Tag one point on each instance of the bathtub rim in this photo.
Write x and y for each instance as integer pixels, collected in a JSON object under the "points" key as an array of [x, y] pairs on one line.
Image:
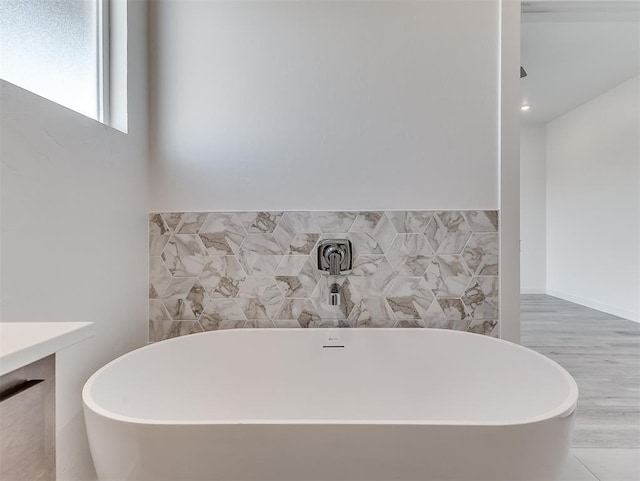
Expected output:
{"points": [[563, 410]]}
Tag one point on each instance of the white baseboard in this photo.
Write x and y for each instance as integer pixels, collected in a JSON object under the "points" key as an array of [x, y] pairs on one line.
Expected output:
{"points": [[598, 306], [533, 290]]}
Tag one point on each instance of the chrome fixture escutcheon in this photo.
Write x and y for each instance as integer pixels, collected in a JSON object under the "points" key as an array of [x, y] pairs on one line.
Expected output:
{"points": [[335, 256]]}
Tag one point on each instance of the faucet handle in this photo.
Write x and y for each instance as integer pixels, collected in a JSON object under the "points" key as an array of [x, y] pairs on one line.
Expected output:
{"points": [[335, 256], [335, 259]]}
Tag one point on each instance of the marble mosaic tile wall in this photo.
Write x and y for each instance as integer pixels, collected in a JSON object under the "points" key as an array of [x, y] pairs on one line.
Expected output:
{"points": [[213, 270]]}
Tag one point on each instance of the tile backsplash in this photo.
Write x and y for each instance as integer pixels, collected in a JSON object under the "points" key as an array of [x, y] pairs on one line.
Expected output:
{"points": [[220, 270]]}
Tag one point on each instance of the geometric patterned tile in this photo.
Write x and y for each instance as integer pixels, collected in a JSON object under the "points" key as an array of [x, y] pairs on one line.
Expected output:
{"points": [[172, 219], [159, 276], [406, 324], [179, 309], [290, 309], [222, 314], [410, 254], [157, 311], [157, 329], [482, 220], [372, 233], [184, 299], [292, 265], [366, 222], [221, 270], [185, 266], [259, 222], [183, 328], [364, 244], [157, 225], [448, 276], [303, 244], [334, 222], [287, 323], [259, 297], [309, 315], [297, 313], [436, 318], [371, 275], [481, 298], [488, 284], [448, 313], [159, 234], [372, 312], [297, 276], [329, 324], [262, 244], [260, 254], [196, 299], [448, 232], [179, 287], [190, 222], [455, 312], [409, 298], [407, 222], [297, 233], [157, 243], [481, 254], [258, 324], [222, 233], [222, 276], [184, 255], [488, 328]]}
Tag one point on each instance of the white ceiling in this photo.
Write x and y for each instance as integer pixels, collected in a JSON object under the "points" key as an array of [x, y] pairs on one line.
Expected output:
{"points": [[575, 50]]}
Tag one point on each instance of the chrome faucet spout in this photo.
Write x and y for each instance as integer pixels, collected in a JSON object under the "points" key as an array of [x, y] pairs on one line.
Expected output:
{"points": [[334, 295]]}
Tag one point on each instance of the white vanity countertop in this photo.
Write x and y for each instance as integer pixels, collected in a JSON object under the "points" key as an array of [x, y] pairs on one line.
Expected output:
{"points": [[22, 343]]}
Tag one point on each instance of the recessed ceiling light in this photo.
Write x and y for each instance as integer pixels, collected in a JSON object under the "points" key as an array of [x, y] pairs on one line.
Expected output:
{"points": [[524, 108]]}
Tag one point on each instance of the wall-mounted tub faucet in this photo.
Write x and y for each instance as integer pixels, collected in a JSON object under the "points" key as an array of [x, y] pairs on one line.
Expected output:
{"points": [[335, 258]]}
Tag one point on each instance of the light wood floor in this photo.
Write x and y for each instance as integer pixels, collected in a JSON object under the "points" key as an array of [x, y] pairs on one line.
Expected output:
{"points": [[602, 352]]}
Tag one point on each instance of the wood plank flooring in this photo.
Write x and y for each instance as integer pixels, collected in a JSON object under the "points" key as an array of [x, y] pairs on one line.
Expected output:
{"points": [[602, 353]]}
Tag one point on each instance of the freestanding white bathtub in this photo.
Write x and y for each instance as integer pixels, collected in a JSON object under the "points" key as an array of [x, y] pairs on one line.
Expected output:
{"points": [[330, 404]]}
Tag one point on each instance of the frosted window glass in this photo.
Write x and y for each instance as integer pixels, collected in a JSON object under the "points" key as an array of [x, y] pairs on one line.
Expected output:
{"points": [[50, 48]]}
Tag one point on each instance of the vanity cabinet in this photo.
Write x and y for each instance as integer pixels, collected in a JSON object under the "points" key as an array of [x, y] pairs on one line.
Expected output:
{"points": [[27, 395], [27, 422]]}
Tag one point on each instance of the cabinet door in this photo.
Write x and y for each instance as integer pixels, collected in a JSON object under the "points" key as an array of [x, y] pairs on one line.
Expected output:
{"points": [[22, 424]]}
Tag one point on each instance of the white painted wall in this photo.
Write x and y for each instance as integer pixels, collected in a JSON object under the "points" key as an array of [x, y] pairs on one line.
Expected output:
{"points": [[338, 105], [509, 187], [324, 105], [593, 203], [533, 217], [74, 233]]}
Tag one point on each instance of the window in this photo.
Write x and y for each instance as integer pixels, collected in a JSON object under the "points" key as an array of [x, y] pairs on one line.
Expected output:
{"points": [[58, 50]]}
